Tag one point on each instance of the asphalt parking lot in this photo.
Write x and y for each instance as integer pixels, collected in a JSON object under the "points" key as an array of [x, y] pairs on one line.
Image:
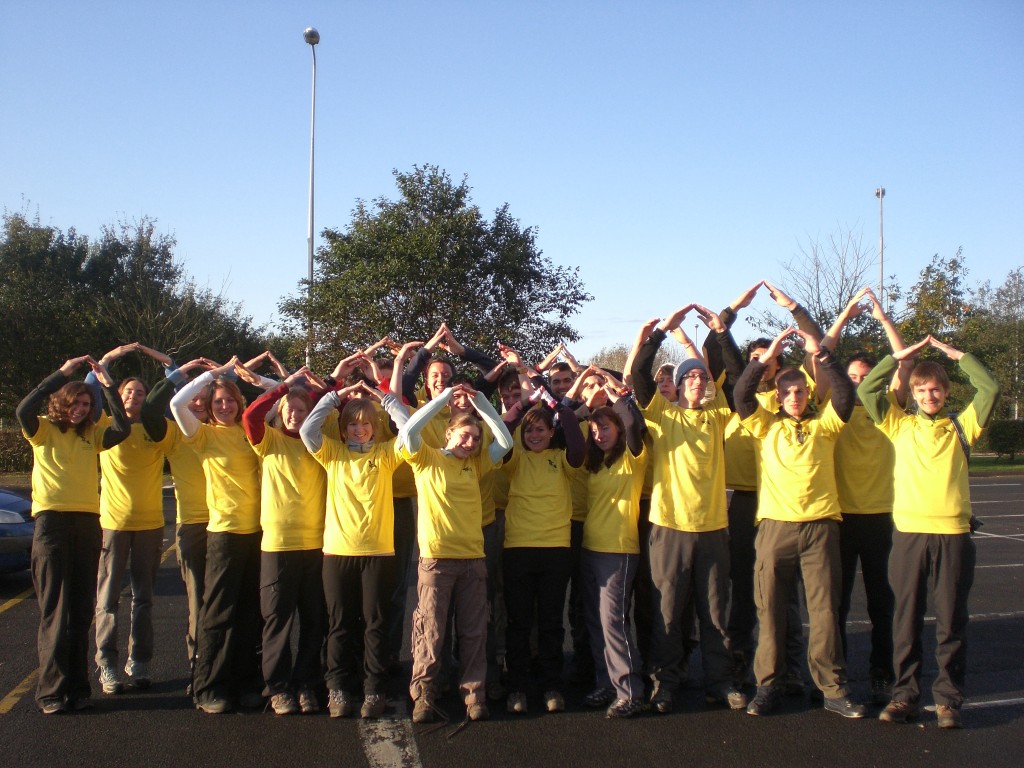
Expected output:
{"points": [[159, 726]]}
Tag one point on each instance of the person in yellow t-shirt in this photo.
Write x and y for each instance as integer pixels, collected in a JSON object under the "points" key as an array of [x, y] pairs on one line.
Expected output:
{"points": [[451, 565], [932, 547], [67, 538], [132, 519], [615, 462], [227, 669], [689, 539], [359, 544], [536, 559], [292, 502], [865, 462], [192, 514], [798, 513]]}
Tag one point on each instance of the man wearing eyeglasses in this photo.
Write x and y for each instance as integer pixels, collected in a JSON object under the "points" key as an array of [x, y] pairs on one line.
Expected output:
{"points": [[798, 514], [689, 539]]}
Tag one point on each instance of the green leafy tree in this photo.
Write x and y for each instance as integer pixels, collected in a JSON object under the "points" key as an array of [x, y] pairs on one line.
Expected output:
{"points": [[64, 296], [404, 266], [995, 333]]}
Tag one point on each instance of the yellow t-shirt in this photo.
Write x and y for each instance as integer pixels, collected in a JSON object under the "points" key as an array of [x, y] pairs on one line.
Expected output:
{"points": [[539, 500], [688, 460], [614, 495], [798, 479], [742, 448], [360, 509], [433, 434], [580, 481], [65, 475], [131, 496], [449, 518], [189, 479], [864, 466], [932, 493], [293, 494], [232, 478]]}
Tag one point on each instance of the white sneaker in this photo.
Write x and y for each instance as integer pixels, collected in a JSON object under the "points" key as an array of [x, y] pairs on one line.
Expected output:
{"points": [[110, 680]]}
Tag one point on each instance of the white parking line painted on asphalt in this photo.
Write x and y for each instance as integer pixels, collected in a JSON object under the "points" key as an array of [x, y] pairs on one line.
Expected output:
{"points": [[985, 704], [995, 485], [930, 619], [1011, 537], [1007, 565], [996, 501], [390, 742]]}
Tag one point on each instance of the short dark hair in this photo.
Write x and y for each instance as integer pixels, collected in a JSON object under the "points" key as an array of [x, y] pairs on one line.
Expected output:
{"points": [[507, 379], [788, 375], [761, 343], [560, 366], [862, 357]]}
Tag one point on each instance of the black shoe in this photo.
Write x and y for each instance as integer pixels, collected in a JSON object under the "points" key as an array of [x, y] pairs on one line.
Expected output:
{"points": [[661, 699], [599, 697], [845, 706], [626, 708], [881, 691], [764, 701]]}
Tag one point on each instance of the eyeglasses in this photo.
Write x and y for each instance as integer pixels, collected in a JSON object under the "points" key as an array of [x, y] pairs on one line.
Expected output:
{"points": [[696, 377]]}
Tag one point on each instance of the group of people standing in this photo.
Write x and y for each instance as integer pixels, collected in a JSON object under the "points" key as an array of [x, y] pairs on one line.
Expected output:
{"points": [[305, 498]]}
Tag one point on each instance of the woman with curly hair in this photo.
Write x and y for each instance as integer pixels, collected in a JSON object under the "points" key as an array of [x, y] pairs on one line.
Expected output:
{"points": [[66, 543]]}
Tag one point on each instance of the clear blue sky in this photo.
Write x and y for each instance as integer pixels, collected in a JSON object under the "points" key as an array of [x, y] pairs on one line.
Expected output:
{"points": [[675, 151]]}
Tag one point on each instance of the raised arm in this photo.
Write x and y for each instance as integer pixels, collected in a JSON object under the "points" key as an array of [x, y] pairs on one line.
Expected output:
{"points": [[843, 394], [409, 435], [502, 439], [186, 420], [27, 411], [745, 392], [648, 342]]}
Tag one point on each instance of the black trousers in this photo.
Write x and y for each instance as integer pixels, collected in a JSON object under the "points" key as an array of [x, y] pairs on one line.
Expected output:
{"points": [[290, 583], [227, 641], [535, 579], [868, 538], [943, 563], [358, 592], [65, 559]]}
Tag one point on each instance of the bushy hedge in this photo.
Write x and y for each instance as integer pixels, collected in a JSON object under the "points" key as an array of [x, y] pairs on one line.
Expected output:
{"points": [[15, 452], [1006, 438]]}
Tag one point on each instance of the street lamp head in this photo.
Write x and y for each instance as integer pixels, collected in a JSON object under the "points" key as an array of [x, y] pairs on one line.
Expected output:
{"points": [[880, 192], [311, 36]]}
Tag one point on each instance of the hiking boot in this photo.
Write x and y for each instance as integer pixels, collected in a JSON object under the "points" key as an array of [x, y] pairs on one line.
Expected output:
{"points": [[423, 706], [764, 701], [79, 705], [138, 673], [308, 702], [625, 708], [845, 706], [516, 703], [661, 699], [948, 717], [793, 685], [284, 704], [898, 711], [881, 691], [599, 697], [214, 706], [373, 706], [554, 701], [478, 711], [495, 690], [110, 679], [341, 703], [53, 706]]}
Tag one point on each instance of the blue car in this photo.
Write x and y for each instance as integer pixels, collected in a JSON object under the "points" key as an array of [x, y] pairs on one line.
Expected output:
{"points": [[16, 527]]}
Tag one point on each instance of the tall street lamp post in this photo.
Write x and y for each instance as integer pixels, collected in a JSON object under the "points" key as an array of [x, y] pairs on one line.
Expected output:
{"points": [[312, 37], [880, 194]]}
